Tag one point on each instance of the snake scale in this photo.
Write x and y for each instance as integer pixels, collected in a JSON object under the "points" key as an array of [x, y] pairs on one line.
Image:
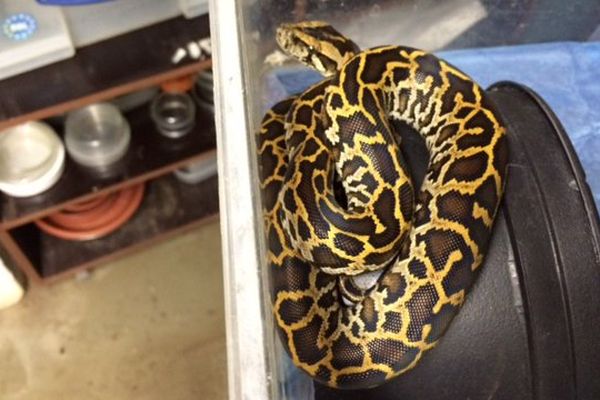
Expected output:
{"points": [[427, 244]]}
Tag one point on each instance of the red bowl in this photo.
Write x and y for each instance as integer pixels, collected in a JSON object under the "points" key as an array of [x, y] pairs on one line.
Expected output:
{"points": [[125, 205], [85, 205], [99, 215]]}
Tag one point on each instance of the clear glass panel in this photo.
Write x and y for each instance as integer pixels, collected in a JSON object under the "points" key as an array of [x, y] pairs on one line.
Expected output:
{"points": [[550, 45], [434, 24]]}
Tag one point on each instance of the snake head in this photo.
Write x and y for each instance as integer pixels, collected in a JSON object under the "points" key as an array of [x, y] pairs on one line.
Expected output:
{"points": [[316, 44]]}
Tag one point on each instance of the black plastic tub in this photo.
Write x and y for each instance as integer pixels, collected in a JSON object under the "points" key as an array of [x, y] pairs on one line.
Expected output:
{"points": [[530, 328]]}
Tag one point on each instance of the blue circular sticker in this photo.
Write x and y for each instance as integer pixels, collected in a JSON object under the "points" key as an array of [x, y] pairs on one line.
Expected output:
{"points": [[19, 26]]}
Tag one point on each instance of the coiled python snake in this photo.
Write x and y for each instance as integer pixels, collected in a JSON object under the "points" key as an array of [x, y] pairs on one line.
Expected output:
{"points": [[339, 130]]}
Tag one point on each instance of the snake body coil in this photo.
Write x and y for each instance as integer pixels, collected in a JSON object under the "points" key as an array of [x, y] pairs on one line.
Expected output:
{"points": [[339, 129]]}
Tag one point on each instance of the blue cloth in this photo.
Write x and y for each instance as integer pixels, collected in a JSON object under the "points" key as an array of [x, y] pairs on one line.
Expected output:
{"points": [[565, 74]]}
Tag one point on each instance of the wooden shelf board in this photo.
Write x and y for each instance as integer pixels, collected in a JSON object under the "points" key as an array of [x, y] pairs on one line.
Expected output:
{"points": [[150, 155], [169, 207]]}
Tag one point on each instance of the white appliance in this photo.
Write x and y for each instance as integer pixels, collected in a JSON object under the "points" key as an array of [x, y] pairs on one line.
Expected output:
{"points": [[33, 35], [11, 290]]}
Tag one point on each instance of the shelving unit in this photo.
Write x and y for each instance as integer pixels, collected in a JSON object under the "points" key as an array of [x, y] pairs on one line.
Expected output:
{"points": [[101, 72], [169, 207]]}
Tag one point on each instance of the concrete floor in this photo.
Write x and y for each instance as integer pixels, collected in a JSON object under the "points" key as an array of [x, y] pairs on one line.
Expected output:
{"points": [[149, 326]]}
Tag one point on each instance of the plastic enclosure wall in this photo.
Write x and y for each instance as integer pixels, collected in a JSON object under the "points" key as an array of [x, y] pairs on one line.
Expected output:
{"points": [[246, 345], [242, 35]]}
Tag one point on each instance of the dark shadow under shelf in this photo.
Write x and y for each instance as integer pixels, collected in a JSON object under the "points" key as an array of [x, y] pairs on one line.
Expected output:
{"points": [[150, 155], [168, 206]]}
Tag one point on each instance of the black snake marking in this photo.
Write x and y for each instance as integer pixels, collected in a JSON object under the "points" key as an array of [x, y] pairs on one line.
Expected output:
{"points": [[404, 314]]}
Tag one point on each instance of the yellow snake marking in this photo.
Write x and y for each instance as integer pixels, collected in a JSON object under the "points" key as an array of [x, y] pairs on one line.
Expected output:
{"points": [[340, 129]]}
